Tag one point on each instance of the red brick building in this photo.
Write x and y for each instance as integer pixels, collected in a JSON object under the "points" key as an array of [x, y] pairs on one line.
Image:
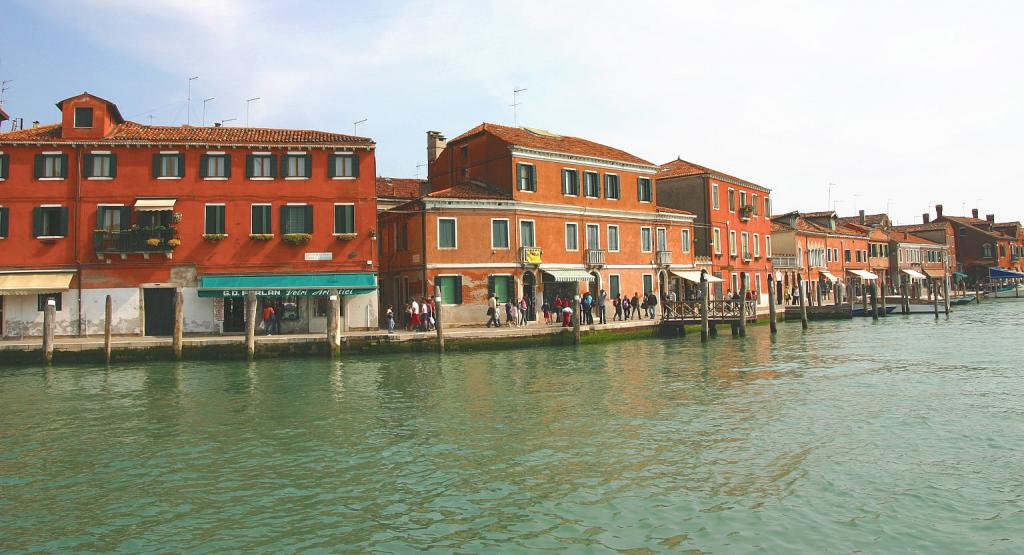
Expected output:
{"points": [[979, 244], [525, 212], [733, 229], [95, 205]]}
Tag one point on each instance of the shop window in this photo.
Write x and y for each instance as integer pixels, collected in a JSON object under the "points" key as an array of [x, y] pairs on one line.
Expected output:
{"points": [[41, 301]]}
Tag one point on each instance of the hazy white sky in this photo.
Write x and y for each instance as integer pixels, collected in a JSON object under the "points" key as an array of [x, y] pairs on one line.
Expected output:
{"points": [[900, 104]]}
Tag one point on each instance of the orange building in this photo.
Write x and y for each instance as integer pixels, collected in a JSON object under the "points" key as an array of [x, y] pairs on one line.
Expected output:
{"points": [[95, 205], [527, 213], [733, 223], [823, 251]]}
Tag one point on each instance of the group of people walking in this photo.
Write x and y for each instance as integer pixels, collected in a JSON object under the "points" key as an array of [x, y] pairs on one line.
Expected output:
{"points": [[516, 313], [418, 316], [635, 307]]}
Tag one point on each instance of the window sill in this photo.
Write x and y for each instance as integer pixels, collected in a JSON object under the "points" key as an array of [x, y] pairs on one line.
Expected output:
{"points": [[99, 178], [526, 191], [261, 179], [344, 178], [296, 178], [215, 179], [168, 177], [52, 178], [49, 237]]}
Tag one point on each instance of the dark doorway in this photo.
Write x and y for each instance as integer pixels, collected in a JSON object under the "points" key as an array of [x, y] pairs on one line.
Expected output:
{"points": [[159, 307], [234, 314], [1, 315], [530, 291], [564, 289]]}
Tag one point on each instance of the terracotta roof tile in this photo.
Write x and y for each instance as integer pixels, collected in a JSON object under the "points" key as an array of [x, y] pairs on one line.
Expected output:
{"points": [[564, 144], [131, 132], [674, 211], [396, 187], [869, 219], [471, 191], [682, 168], [904, 237], [930, 226]]}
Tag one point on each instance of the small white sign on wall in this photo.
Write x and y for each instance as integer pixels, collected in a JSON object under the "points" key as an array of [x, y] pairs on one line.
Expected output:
{"points": [[319, 256]]}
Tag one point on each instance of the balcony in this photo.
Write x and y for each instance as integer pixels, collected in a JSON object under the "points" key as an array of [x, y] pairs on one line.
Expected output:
{"points": [[134, 241], [530, 256], [663, 258], [785, 261], [595, 257], [747, 257]]}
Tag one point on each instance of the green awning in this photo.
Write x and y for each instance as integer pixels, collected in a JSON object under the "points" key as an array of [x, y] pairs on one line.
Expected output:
{"points": [[287, 285], [960, 275]]}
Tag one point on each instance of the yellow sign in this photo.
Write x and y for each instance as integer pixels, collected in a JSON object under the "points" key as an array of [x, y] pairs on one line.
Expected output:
{"points": [[532, 256]]}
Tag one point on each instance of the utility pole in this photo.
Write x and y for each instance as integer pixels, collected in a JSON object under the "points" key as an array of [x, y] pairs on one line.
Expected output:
{"points": [[188, 101], [205, 100], [223, 121], [515, 106], [830, 185], [355, 125], [418, 166], [3, 89], [247, 103]]}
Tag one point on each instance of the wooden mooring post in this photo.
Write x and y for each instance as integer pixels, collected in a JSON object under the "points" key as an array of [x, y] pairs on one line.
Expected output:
{"points": [[772, 322], [743, 306], [333, 325], [864, 296], [801, 286], [904, 295], [874, 301], [250, 325], [705, 331], [576, 320], [179, 324], [945, 292], [437, 319], [935, 297], [108, 311], [49, 322]]}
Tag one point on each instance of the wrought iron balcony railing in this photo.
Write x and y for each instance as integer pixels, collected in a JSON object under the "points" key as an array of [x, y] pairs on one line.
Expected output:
{"points": [[595, 257]]}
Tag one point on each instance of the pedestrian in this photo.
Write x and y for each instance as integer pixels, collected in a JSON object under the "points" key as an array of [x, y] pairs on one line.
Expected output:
{"points": [[268, 317], [626, 309], [275, 318], [617, 304], [586, 316], [566, 315], [602, 298], [652, 303], [546, 309], [634, 305], [524, 307], [414, 316], [492, 311], [389, 320], [424, 315], [510, 318]]}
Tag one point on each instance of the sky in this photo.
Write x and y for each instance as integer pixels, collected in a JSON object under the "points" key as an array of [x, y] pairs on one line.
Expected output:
{"points": [[899, 105]]}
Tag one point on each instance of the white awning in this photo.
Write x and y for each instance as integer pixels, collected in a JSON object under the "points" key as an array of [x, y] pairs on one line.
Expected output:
{"points": [[914, 274], [35, 283], [828, 275], [154, 204], [570, 275], [864, 274], [934, 274], [694, 276]]}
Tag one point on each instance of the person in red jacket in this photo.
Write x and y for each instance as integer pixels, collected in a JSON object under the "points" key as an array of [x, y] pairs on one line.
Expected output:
{"points": [[268, 317]]}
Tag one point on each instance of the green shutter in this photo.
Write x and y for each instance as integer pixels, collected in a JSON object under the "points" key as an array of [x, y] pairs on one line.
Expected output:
{"points": [[4, 165], [268, 220], [458, 289], [62, 222], [309, 218], [309, 165], [565, 182], [39, 161], [5, 215], [37, 222], [181, 164], [203, 169], [332, 160], [156, 164], [355, 164], [284, 165], [284, 220], [490, 285], [273, 165], [126, 217], [250, 160], [63, 165], [87, 165], [113, 165], [227, 165]]}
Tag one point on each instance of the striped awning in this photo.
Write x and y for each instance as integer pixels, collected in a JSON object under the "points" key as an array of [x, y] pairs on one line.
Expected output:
{"points": [[693, 276], [934, 274], [570, 275], [828, 275], [28, 283], [864, 274], [914, 274], [154, 204]]}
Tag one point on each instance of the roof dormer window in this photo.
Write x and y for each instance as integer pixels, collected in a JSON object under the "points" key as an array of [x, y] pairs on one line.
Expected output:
{"points": [[83, 117]]}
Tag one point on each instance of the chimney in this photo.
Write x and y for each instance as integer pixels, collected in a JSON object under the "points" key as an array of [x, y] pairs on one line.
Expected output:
{"points": [[974, 213], [35, 124], [217, 124], [991, 218], [926, 218], [435, 144], [863, 218], [938, 211]]}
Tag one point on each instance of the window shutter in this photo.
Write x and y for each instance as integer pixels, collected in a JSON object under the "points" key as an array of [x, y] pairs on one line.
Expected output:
{"points": [[490, 285], [63, 165], [339, 217], [332, 161], [62, 222], [181, 164], [273, 165], [227, 165], [355, 164], [639, 188], [5, 214], [268, 220], [284, 165], [565, 182], [37, 222], [156, 165], [309, 166], [113, 165], [126, 217], [284, 220], [87, 165], [250, 160], [5, 165], [38, 166], [458, 289], [204, 159], [309, 218]]}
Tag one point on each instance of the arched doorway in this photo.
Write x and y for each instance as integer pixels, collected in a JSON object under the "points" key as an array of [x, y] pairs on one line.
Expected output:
{"points": [[596, 285], [530, 292], [663, 284]]}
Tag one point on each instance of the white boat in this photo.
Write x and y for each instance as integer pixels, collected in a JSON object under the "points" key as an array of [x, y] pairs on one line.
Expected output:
{"points": [[1008, 292]]}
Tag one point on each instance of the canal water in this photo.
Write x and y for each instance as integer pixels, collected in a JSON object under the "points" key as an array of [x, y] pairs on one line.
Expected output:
{"points": [[905, 435]]}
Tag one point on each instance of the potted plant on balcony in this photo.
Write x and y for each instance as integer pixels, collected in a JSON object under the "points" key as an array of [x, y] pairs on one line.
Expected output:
{"points": [[213, 237], [345, 236], [261, 236], [746, 212], [296, 238], [174, 243]]}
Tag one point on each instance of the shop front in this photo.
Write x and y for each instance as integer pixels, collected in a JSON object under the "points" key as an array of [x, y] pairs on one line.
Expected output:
{"points": [[301, 303], [23, 297]]}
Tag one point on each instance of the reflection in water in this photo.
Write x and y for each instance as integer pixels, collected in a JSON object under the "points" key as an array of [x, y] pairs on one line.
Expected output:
{"points": [[855, 436]]}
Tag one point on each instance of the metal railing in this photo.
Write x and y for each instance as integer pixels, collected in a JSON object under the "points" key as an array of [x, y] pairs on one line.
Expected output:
{"points": [[663, 258], [530, 255], [784, 261], [595, 257], [122, 241], [717, 310]]}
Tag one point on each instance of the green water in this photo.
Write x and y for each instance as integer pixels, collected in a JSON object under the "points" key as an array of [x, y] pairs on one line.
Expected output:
{"points": [[901, 436]]}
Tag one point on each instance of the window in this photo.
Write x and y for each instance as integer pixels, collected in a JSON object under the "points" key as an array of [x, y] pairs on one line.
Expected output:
{"points": [[591, 184], [757, 246], [662, 238], [753, 202], [648, 284], [768, 245], [214, 219], [767, 207], [50, 221], [51, 165], [572, 237], [745, 244], [1002, 250], [716, 240], [714, 197], [5, 165], [261, 224], [446, 233], [402, 237], [42, 300], [846, 255], [343, 165], [732, 243], [99, 165], [168, 165], [260, 166], [215, 165], [344, 218], [451, 289], [113, 218], [644, 190], [835, 254], [526, 177], [296, 165], [464, 152], [732, 200], [527, 234], [735, 283], [296, 218], [5, 215], [613, 285], [499, 234], [963, 232], [83, 118], [613, 238], [570, 183], [611, 186], [502, 287], [593, 237], [743, 199], [685, 240], [645, 239]]}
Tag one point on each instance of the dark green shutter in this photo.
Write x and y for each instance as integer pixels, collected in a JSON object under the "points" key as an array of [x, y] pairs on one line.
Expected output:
{"points": [[5, 215], [63, 165], [87, 165], [339, 217], [332, 161], [268, 220], [355, 164], [490, 285], [5, 165], [284, 220], [113, 165], [458, 289], [227, 165], [309, 218], [62, 222], [37, 222], [126, 217], [156, 164], [181, 164], [203, 169], [309, 165], [284, 165], [39, 166], [273, 165], [250, 160]]}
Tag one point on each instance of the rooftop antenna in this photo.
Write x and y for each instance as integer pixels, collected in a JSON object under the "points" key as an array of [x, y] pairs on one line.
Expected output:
{"points": [[223, 121], [205, 100], [355, 124], [151, 120], [3, 88], [188, 101], [249, 101], [418, 166], [830, 185], [515, 106]]}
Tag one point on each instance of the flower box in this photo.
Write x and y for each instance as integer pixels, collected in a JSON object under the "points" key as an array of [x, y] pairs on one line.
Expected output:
{"points": [[296, 238], [261, 236], [174, 243], [214, 237], [153, 241], [345, 236]]}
